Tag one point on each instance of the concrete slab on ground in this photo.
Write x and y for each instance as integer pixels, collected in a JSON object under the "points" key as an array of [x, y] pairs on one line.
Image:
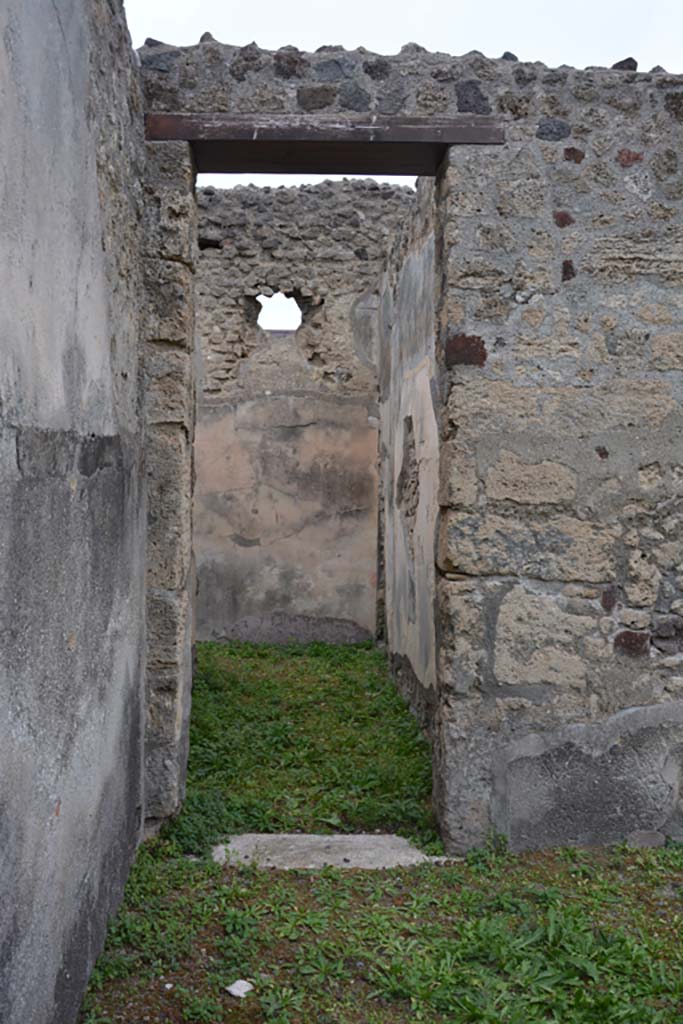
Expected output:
{"points": [[306, 851]]}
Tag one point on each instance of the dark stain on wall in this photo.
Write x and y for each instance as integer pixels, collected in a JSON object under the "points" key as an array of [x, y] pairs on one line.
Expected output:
{"points": [[465, 350]]}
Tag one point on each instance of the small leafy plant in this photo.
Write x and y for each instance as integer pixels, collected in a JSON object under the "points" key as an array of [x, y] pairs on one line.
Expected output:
{"points": [[315, 738]]}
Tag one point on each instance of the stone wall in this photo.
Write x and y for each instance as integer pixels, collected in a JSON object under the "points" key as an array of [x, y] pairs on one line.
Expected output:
{"points": [[558, 377], [286, 500], [72, 496], [170, 244], [560, 590], [214, 76]]}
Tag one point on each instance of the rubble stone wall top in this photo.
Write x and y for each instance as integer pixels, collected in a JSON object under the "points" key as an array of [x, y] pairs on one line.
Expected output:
{"points": [[325, 244], [552, 104]]}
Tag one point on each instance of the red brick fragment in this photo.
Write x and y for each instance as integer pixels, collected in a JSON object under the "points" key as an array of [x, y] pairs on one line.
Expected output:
{"points": [[628, 157], [633, 643], [563, 218], [568, 271], [608, 598], [574, 155], [465, 350]]}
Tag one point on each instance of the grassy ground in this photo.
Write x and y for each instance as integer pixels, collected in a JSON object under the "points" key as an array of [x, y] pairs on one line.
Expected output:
{"points": [[315, 739], [306, 739]]}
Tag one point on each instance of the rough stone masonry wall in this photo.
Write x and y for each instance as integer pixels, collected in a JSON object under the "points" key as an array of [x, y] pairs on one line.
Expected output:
{"points": [[72, 495], [559, 716], [169, 386], [286, 450], [561, 549]]}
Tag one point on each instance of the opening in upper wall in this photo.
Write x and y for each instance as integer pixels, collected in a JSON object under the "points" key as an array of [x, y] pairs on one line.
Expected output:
{"points": [[279, 312]]}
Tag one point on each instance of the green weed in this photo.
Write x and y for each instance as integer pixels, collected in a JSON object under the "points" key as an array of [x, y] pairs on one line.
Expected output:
{"points": [[315, 738], [303, 738]]}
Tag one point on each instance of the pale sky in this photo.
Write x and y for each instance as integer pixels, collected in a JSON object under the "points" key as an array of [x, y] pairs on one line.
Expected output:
{"points": [[575, 32]]}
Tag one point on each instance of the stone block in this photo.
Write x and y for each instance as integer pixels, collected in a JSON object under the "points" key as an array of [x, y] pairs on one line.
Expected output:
{"points": [[645, 840], [170, 637], [169, 506], [624, 258], [643, 579], [474, 273], [554, 548], [162, 719], [166, 688], [521, 198], [667, 351], [464, 743], [513, 479], [169, 165], [169, 307], [168, 620], [316, 97], [458, 483], [164, 784], [537, 642], [463, 653], [500, 407], [170, 225], [169, 386]]}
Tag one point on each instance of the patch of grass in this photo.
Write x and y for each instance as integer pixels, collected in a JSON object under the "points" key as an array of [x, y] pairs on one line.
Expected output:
{"points": [[567, 937], [509, 940], [300, 738]]}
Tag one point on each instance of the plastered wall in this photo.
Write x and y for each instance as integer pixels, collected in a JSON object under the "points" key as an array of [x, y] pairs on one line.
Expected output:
{"points": [[72, 495], [409, 450], [286, 449]]}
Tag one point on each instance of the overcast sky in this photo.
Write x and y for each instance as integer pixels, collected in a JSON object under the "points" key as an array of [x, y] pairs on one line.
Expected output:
{"points": [[576, 32]]}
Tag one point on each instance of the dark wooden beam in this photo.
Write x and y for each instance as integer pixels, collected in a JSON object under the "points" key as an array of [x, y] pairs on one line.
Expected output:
{"points": [[295, 144], [318, 157]]}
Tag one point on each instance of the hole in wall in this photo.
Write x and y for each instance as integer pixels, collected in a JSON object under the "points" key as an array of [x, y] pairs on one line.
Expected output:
{"points": [[278, 313], [208, 243]]}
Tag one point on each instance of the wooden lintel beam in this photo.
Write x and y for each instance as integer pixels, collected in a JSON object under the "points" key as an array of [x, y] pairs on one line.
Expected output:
{"points": [[466, 129], [279, 143]]}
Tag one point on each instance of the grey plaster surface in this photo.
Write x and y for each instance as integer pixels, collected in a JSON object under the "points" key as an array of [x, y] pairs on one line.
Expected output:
{"points": [[71, 496], [409, 447], [289, 851], [590, 784], [285, 509]]}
